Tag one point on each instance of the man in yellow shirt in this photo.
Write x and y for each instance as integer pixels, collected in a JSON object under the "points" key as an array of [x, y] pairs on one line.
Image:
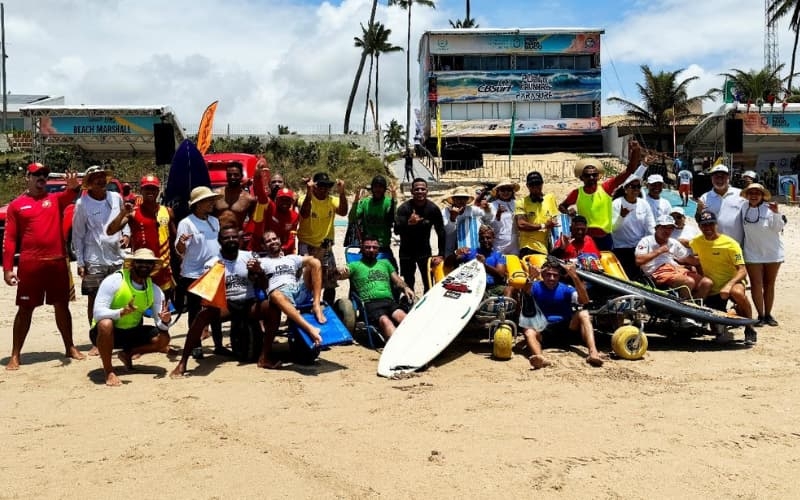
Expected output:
{"points": [[318, 209], [721, 259], [534, 216]]}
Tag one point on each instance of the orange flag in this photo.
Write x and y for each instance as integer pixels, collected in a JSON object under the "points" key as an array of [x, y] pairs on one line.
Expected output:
{"points": [[211, 287], [204, 131]]}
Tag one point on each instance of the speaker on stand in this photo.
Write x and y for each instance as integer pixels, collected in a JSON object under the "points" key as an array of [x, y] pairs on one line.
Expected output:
{"points": [[164, 138], [734, 135]]}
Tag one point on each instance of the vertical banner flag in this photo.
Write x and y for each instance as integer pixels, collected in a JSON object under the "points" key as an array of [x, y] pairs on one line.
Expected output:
{"points": [[438, 131], [204, 131], [513, 131]]}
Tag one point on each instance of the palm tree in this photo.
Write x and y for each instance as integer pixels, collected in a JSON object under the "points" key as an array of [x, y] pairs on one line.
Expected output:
{"points": [[778, 9], [754, 85], [368, 45], [382, 45], [407, 4], [664, 99], [468, 22], [393, 137], [357, 79]]}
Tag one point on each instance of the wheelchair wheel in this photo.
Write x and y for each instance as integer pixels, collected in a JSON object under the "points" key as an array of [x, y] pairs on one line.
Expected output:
{"points": [[300, 352], [628, 342], [502, 342], [344, 309], [247, 339]]}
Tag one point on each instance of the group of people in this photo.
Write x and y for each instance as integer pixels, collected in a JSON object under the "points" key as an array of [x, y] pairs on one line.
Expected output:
{"points": [[276, 248]]}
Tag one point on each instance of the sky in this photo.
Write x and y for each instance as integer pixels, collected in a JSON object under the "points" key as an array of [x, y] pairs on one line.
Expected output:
{"points": [[292, 62]]}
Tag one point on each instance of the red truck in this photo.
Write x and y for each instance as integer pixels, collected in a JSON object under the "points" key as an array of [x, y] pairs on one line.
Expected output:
{"points": [[218, 163]]}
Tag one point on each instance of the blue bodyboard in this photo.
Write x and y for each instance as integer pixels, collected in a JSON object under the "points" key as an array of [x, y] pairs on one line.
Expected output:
{"points": [[333, 332], [188, 171]]}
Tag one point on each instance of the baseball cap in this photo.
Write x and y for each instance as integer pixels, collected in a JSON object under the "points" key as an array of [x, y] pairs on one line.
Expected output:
{"points": [[35, 167], [284, 193], [665, 220], [719, 169], [750, 173], [707, 218], [150, 180], [677, 210], [655, 179], [534, 178], [322, 179]]}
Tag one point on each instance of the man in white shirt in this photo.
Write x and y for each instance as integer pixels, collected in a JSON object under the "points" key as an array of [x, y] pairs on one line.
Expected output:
{"points": [[685, 185], [685, 229], [658, 205], [725, 203]]}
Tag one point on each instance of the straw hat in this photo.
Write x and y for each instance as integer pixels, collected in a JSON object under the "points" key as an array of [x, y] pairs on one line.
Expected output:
{"points": [[94, 170], [142, 254], [588, 162], [756, 186], [459, 192], [201, 193], [504, 182]]}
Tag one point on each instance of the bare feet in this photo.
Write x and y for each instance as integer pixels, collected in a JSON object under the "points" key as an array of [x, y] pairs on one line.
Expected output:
{"points": [[538, 361], [74, 353], [178, 372], [112, 380], [126, 359], [315, 336], [321, 319], [93, 351], [13, 363], [595, 360], [269, 365]]}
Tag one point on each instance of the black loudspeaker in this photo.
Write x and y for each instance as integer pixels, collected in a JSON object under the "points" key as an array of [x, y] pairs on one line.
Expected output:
{"points": [[734, 135], [164, 137]]}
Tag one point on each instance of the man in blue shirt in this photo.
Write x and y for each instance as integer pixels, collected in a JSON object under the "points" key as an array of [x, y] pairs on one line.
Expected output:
{"points": [[556, 301], [493, 261]]}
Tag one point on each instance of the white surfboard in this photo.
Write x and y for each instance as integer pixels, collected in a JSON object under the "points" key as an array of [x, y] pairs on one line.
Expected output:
{"points": [[435, 321]]}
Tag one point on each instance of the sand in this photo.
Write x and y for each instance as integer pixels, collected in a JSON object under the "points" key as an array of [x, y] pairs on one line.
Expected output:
{"points": [[690, 420]]}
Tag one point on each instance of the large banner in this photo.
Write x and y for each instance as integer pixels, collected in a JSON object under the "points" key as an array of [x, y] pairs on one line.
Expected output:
{"points": [[558, 43], [98, 125], [772, 123], [524, 86], [787, 186], [526, 127]]}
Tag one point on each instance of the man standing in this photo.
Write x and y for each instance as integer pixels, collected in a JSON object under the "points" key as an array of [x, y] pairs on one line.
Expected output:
{"points": [[409, 165], [685, 185], [413, 223], [593, 201], [98, 254], [152, 226], [535, 216], [33, 228], [318, 209], [725, 203], [658, 205], [375, 214], [276, 183], [722, 260], [504, 209], [235, 204], [122, 299]]}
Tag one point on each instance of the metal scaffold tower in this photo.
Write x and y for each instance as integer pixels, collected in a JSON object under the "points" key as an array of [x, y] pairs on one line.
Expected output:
{"points": [[770, 40]]}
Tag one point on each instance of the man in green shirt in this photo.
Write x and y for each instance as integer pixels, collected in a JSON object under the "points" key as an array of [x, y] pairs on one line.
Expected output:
{"points": [[375, 215], [372, 278]]}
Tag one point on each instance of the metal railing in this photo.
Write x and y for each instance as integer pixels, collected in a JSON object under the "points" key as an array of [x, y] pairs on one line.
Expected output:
{"points": [[516, 169]]}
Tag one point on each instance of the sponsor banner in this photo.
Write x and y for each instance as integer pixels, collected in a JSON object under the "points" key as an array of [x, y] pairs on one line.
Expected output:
{"points": [[770, 123], [98, 125], [787, 186], [559, 43], [521, 86], [526, 127]]}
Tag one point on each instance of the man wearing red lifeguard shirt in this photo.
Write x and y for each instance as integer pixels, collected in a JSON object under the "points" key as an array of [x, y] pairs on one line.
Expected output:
{"points": [[33, 228]]}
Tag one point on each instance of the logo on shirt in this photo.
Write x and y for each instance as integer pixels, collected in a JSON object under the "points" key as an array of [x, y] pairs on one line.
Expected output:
{"points": [[46, 203]]}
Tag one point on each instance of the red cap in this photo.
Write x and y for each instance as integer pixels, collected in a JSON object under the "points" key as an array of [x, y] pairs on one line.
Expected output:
{"points": [[36, 167], [285, 193], [150, 180]]}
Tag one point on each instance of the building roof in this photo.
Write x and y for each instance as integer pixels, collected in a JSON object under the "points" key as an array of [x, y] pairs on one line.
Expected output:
{"points": [[16, 101], [512, 31]]}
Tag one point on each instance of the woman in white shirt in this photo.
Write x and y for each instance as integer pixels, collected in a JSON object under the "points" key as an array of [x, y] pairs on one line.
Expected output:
{"points": [[632, 220], [762, 248], [503, 205]]}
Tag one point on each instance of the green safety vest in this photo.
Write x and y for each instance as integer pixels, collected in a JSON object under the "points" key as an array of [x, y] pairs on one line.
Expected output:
{"points": [[142, 299]]}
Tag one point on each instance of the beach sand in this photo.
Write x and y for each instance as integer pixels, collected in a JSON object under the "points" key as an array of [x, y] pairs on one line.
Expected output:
{"points": [[690, 420]]}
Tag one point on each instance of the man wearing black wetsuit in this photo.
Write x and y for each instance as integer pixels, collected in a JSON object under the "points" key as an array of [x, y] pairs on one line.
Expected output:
{"points": [[413, 222]]}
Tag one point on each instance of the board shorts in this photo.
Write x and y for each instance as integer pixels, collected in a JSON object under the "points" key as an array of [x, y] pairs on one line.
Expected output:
{"points": [[683, 189], [129, 338], [380, 307], [496, 290], [94, 274], [560, 335], [330, 276], [297, 293], [716, 302], [42, 281], [668, 273]]}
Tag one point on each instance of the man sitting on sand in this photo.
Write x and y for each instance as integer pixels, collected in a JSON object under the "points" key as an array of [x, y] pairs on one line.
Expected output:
{"points": [[239, 293], [557, 299], [122, 299], [285, 292]]}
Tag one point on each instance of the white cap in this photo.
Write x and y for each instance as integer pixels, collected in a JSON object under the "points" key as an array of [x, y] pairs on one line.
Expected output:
{"points": [[719, 168], [631, 179], [654, 179], [677, 210], [750, 173], [665, 220]]}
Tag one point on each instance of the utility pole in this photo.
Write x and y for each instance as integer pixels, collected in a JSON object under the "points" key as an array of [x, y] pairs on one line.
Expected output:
{"points": [[3, 56]]}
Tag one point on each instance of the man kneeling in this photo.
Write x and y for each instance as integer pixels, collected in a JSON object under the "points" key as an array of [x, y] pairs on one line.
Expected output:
{"points": [[557, 299], [122, 299], [372, 280]]}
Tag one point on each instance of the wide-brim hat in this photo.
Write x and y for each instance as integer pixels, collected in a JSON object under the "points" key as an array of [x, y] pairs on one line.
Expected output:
{"points": [[505, 182], [460, 192], [142, 254], [581, 164], [201, 193], [94, 170], [754, 185]]}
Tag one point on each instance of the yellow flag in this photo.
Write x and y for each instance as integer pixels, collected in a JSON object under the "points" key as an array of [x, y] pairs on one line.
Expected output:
{"points": [[204, 131], [438, 131], [719, 161]]}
